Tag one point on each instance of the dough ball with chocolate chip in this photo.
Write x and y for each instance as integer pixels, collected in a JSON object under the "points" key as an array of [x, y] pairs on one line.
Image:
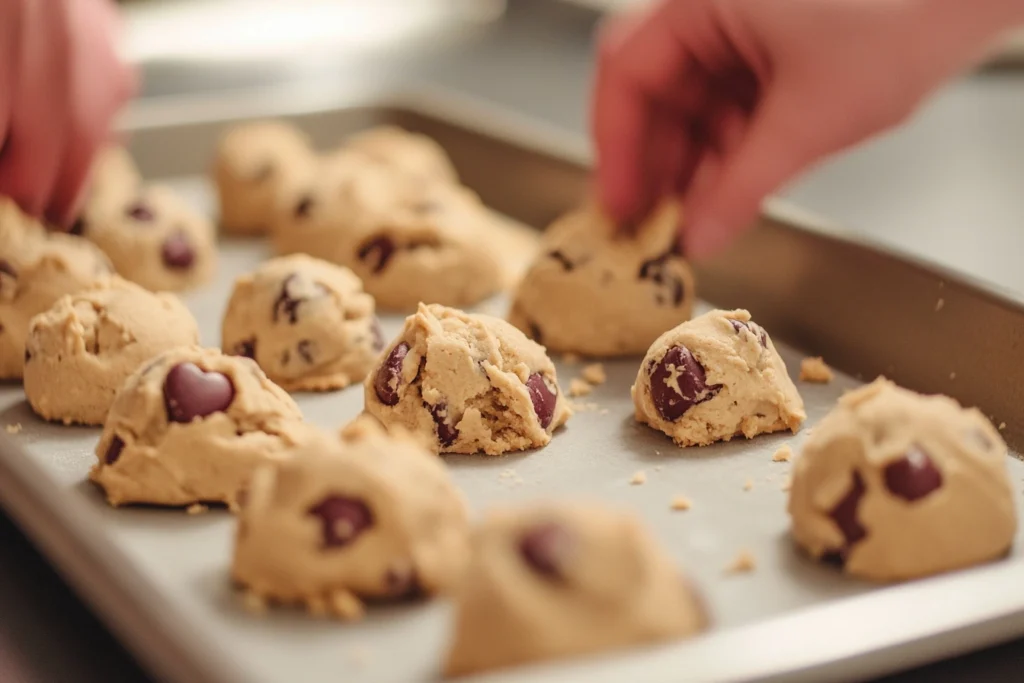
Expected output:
{"points": [[190, 426], [713, 378], [563, 580], [407, 240], [467, 384], [367, 516], [253, 162], [152, 237], [83, 348], [599, 291], [412, 153], [894, 485], [36, 269], [307, 322]]}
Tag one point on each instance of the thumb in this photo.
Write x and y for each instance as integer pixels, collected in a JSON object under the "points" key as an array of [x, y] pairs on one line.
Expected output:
{"points": [[775, 148]]}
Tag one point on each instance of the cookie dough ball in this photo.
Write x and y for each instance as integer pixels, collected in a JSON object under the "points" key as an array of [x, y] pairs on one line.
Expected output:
{"points": [[190, 426], [413, 153], [407, 240], [894, 485], [307, 322], [713, 378], [153, 238], [371, 517], [252, 163], [38, 270], [564, 580], [467, 383], [596, 291], [114, 172], [80, 352]]}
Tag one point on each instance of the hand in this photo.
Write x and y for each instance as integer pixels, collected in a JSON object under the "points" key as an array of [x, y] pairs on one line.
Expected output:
{"points": [[723, 101], [61, 83]]}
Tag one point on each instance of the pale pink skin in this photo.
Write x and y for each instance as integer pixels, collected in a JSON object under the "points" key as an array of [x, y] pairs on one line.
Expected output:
{"points": [[721, 102], [61, 84]]}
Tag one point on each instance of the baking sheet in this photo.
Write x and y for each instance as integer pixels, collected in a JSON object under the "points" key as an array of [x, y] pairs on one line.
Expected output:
{"points": [[788, 619]]}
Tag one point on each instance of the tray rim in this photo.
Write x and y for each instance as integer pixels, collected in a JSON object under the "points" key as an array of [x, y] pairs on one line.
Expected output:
{"points": [[884, 630]]}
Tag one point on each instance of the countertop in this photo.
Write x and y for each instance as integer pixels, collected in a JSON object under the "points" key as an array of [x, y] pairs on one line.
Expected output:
{"points": [[947, 187]]}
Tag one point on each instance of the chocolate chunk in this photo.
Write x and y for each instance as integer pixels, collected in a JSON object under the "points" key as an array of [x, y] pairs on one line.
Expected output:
{"points": [[191, 392], [114, 450], [669, 286], [295, 290], [560, 256], [342, 519], [7, 269], [177, 251], [305, 349], [678, 383], [913, 476], [546, 548], [139, 212], [844, 514], [304, 207], [389, 376], [378, 335], [376, 252], [28, 354], [402, 583], [543, 397], [78, 227], [535, 332], [246, 347], [751, 327], [446, 433]]}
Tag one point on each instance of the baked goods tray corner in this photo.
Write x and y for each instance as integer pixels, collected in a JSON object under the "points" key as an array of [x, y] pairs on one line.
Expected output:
{"points": [[159, 577]]}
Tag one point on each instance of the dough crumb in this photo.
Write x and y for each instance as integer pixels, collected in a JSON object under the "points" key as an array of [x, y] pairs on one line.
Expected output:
{"points": [[657, 468], [639, 477], [814, 369], [254, 604], [742, 564], [584, 406], [603, 411], [196, 509], [748, 484], [594, 373], [508, 474], [681, 503], [345, 606], [1002, 426], [939, 304], [13, 428], [578, 387], [571, 359], [783, 454], [952, 375]]}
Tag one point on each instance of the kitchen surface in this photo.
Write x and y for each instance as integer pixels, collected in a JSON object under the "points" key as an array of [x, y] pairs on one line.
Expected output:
{"points": [[945, 188]]}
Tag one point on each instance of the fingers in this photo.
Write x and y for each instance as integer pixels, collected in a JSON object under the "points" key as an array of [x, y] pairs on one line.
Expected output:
{"points": [[10, 21]]}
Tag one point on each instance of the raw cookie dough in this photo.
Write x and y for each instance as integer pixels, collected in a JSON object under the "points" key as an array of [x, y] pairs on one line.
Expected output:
{"points": [[113, 171], [468, 383], [412, 153], [713, 378], [307, 322], [597, 291], [895, 485], [409, 241], [152, 237], [564, 580], [252, 163], [370, 516], [190, 426], [80, 351], [36, 269]]}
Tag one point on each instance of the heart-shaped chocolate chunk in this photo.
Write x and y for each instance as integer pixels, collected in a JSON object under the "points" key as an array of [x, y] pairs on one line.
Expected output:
{"points": [[191, 392]]}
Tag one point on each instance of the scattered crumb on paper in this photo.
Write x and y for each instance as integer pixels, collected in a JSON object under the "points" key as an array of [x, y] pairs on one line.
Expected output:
{"points": [[657, 468], [594, 373], [584, 406], [681, 503], [748, 484], [13, 428], [570, 359], [743, 563], [511, 476], [578, 387], [952, 375], [939, 304], [814, 369], [253, 604], [603, 411], [1002, 426], [196, 509], [783, 454], [639, 477]]}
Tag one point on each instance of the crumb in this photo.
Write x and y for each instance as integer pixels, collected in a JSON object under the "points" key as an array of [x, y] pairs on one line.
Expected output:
{"points": [[952, 375], [345, 606], [1002, 426], [196, 509], [571, 359], [578, 387], [639, 477], [748, 484], [657, 468], [814, 369], [254, 604], [594, 373], [657, 452], [742, 564], [13, 428], [783, 454], [508, 474], [584, 406], [681, 503], [603, 411], [939, 304], [788, 484]]}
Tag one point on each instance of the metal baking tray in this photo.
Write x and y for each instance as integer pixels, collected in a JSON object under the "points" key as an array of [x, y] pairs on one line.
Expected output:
{"points": [[159, 577]]}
